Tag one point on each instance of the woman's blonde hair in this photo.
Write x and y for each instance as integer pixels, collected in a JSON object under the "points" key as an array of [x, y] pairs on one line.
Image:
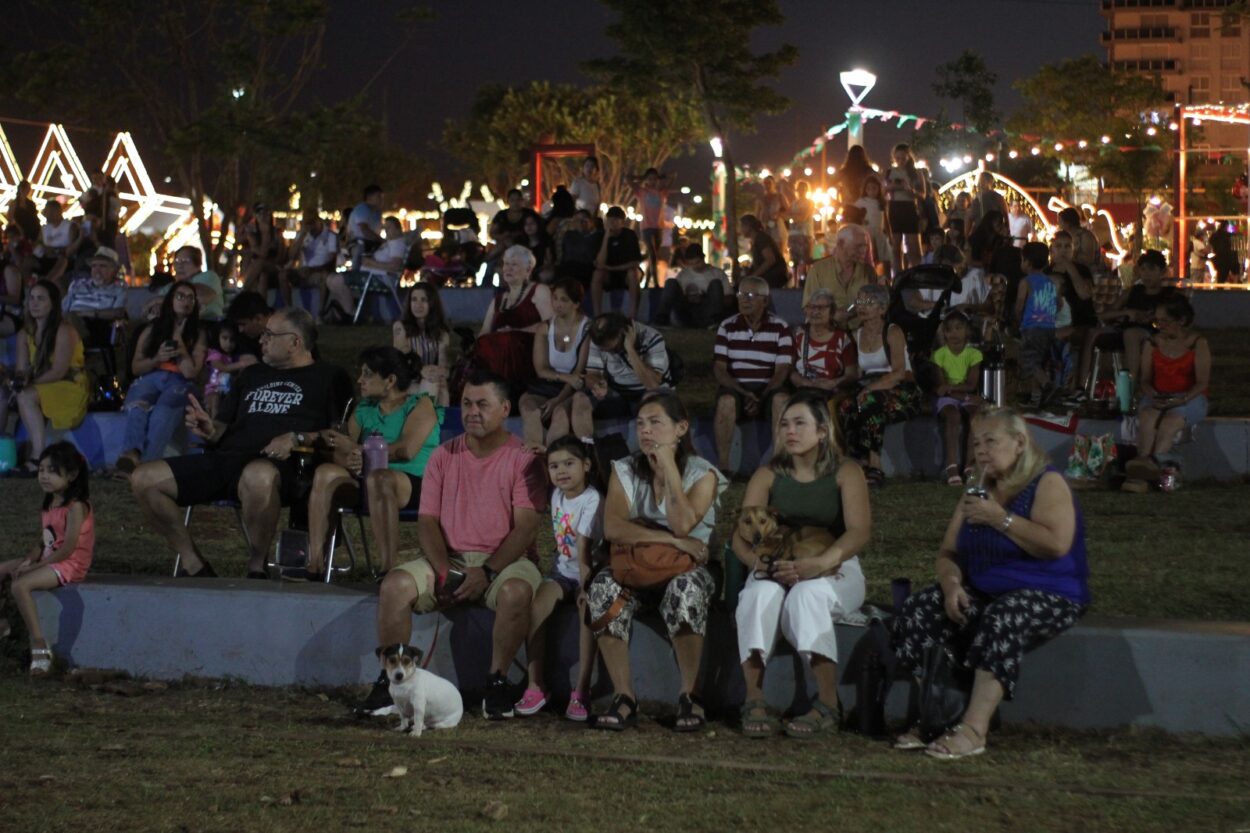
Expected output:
{"points": [[828, 447], [1032, 460]]}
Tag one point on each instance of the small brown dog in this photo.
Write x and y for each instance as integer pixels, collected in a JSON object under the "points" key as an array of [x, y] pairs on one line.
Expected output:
{"points": [[773, 541]]}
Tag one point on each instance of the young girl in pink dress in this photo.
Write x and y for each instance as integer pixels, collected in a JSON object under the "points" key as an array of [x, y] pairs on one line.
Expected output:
{"points": [[67, 548]]}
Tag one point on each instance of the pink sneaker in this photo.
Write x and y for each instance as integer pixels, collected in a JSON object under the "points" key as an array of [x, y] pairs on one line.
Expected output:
{"points": [[531, 702], [577, 708]]}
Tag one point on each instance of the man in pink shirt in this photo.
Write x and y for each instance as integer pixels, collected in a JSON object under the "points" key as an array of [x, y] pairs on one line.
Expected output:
{"points": [[481, 500]]}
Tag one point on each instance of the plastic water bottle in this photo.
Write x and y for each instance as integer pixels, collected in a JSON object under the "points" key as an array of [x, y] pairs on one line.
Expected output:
{"points": [[1124, 391], [375, 451]]}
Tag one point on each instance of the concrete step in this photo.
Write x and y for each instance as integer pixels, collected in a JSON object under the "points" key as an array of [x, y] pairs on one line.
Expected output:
{"points": [[1178, 676]]}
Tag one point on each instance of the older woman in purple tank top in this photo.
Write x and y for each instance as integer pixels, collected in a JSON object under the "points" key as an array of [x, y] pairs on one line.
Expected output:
{"points": [[1011, 572]]}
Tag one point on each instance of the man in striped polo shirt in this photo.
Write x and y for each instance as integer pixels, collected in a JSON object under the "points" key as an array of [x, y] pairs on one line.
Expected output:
{"points": [[752, 359]]}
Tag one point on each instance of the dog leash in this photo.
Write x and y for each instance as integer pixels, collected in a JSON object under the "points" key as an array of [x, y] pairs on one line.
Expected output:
{"points": [[429, 655]]}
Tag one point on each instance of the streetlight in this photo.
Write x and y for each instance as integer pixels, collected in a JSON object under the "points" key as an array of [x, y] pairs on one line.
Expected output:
{"points": [[857, 83]]}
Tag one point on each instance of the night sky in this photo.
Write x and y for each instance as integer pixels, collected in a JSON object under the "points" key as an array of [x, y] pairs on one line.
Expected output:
{"points": [[900, 40], [470, 43]]}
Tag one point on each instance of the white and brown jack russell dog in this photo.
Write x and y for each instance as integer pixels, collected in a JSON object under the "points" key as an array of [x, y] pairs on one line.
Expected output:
{"points": [[423, 700]]}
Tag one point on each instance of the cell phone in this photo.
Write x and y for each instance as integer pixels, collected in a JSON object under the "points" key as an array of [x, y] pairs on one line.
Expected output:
{"points": [[170, 344], [454, 579]]}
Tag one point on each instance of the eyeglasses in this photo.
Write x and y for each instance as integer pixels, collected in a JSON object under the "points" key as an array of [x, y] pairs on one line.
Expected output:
{"points": [[272, 334], [183, 260], [184, 296], [751, 296]]}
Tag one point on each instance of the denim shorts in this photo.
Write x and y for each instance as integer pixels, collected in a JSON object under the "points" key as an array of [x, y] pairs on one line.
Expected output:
{"points": [[1194, 411]]}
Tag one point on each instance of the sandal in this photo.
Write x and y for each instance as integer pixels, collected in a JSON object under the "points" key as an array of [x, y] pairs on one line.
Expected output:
{"points": [[205, 571], [687, 720], [619, 722], [40, 662], [953, 477], [943, 750], [910, 740], [758, 727], [820, 720]]}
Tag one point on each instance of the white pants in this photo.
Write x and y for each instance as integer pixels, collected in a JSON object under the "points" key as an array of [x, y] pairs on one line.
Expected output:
{"points": [[805, 613]]}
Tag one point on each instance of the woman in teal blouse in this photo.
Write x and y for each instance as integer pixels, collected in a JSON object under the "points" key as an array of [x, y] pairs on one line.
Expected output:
{"points": [[409, 422]]}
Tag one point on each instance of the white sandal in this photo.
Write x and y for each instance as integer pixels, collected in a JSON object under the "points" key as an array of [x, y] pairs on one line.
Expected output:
{"points": [[40, 662], [941, 748]]}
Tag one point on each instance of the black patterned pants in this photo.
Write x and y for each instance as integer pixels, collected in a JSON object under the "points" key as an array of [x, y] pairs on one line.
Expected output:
{"points": [[999, 630], [683, 601]]}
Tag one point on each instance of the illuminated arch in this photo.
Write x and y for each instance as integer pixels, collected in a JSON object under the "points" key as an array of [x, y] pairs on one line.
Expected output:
{"points": [[1011, 191], [10, 173], [57, 171]]}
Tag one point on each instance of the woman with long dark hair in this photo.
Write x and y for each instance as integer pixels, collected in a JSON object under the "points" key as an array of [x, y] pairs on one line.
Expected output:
{"points": [[49, 380], [850, 177], [423, 330], [168, 358], [663, 494], [905, 190]]}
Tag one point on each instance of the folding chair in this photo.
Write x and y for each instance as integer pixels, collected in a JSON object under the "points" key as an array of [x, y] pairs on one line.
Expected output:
{"points": [[361, 512], [221, 504], [378, 282]]}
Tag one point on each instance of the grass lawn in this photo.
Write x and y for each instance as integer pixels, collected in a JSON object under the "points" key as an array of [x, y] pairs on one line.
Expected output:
{"points": [[1180, 555], [234, 758]]}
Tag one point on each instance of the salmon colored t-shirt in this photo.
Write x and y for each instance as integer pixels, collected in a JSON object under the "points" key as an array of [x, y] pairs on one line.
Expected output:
{"points": [[473, 497]]}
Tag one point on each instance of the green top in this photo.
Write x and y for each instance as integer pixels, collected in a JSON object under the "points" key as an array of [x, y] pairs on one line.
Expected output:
{"points": [[818, 503], [371, 419]]}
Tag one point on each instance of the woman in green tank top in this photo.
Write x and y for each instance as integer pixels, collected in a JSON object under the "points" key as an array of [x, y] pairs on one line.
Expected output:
{"points": [[810, 484], [410, 425]]}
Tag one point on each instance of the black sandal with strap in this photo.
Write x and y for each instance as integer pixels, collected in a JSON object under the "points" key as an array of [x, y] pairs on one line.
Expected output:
{"points": [[687, 720], [620, 722]]}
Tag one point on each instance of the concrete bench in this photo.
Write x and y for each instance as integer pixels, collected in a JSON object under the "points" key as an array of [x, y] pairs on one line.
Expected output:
{"points": [[1178, 676]]}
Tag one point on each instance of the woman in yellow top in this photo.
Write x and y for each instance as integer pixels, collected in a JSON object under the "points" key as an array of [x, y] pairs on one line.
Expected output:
{"points": [[49, 380]]}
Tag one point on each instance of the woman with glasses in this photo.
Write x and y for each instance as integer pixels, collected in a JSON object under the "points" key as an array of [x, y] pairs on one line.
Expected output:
{"points": [[825, 358], [888, 391], [1175, 372], [814, 486], [168, 358]]}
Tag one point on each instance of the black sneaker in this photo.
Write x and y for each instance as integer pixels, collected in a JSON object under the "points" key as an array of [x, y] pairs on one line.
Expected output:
{"points": [[497, 704], [378, 703]]}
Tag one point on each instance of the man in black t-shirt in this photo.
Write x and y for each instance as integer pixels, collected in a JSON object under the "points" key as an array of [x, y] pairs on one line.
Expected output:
{"points": [[619, 263], [272, 407]]}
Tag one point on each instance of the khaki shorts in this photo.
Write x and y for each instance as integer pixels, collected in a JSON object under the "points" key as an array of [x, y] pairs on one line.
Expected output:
{"points": [[423, 574]]}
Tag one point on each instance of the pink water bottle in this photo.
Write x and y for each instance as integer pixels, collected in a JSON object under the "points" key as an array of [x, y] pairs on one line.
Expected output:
{"points": [[374, 451]]}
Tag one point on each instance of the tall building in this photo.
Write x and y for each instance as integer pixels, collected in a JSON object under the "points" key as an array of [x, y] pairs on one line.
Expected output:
{"points": [[1199, 50]]}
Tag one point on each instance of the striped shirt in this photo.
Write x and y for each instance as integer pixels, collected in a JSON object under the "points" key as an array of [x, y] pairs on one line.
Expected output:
{"points": [[85, 295], [754, 355], [616, 369]]}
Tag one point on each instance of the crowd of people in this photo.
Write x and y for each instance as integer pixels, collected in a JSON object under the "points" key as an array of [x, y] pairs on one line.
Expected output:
{"points": [[281, 428]]}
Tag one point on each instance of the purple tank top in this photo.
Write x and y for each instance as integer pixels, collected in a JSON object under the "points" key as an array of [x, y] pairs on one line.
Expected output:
{"points": [[994, 564]]}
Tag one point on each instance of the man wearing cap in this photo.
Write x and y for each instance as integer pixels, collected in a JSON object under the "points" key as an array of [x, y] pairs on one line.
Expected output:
{"points": [[696, 296], [189, 266], [99, 296]]}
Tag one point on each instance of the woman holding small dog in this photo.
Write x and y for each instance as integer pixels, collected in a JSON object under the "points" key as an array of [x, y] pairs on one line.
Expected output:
{"points": [[802, 591], [1012, 575], [662, 497]]}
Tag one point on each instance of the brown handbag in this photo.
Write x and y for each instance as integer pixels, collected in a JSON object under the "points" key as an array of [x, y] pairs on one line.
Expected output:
{"points": [[648, 565], [640, 567]]}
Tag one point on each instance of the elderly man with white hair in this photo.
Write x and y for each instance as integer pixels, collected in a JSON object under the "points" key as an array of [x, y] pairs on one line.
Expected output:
{"points": [[843, 272]]}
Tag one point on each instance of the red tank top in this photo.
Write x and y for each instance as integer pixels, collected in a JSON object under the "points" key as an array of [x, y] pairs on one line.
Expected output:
{"points": [[1173, 375], [524, 314]]}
